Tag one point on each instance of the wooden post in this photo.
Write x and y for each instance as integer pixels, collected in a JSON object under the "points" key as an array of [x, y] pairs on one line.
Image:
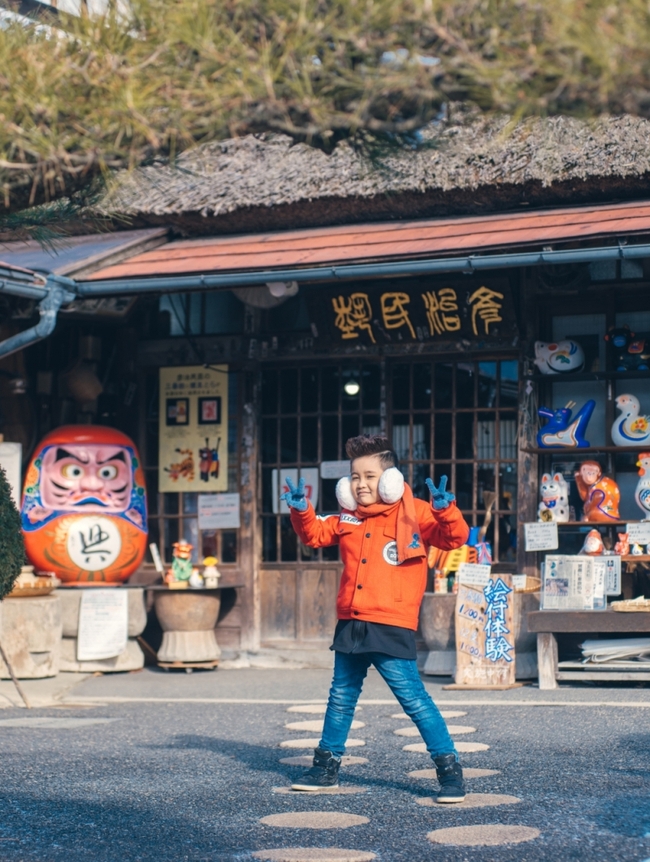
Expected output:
{"points": [[249, 539], [547, 660]]}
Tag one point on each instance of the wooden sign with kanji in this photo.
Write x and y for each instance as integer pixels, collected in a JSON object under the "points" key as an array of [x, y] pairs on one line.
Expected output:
{"points": [[485, 636]]}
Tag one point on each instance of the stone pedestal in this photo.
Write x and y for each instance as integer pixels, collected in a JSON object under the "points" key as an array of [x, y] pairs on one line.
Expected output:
{"points": [[131, 659], [188, 618], [437, 623], [30, 629]]}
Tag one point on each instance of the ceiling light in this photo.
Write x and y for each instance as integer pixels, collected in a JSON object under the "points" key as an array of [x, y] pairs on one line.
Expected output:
{"points": [[352, 388], [282, 288]]}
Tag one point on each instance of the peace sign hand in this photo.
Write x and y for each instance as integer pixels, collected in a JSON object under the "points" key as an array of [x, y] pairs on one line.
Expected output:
{"points": [[295, 496], [440, 497]]}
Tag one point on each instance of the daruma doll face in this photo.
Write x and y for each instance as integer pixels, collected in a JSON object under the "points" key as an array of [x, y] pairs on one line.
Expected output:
{"points": [[88, 478], [84, 509]]}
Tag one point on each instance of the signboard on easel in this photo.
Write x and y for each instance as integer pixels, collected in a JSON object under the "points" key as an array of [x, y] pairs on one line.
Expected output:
{"points": [[485, 639]]}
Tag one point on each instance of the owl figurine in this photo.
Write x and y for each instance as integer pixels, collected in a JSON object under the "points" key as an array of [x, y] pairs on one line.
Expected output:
{"points": [[642, 492]]}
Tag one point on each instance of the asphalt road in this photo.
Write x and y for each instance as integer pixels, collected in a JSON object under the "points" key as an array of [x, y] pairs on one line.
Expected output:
{"points": [[166, 767]]}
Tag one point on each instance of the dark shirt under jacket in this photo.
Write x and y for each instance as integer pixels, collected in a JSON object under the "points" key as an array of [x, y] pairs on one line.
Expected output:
{"points": [[357, 636]]}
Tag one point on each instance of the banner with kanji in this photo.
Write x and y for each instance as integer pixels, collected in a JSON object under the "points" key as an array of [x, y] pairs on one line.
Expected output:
{"points": [[485, 636], [415, 309]]}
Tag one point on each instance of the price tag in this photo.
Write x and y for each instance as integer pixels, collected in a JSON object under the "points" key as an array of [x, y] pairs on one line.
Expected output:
{"points": [[541, 537], [639, 533], [473, 575], [519, 582]]}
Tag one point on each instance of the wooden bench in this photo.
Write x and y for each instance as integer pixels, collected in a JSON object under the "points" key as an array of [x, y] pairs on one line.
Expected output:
{"points": [[549, 623]]}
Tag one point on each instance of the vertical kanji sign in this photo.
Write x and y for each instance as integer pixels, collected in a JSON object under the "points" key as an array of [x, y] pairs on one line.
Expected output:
{"points": [[485, 637]]}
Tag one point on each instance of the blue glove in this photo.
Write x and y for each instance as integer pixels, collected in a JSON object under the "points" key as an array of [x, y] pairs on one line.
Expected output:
{"points": [[295, 497], [440, 497]]}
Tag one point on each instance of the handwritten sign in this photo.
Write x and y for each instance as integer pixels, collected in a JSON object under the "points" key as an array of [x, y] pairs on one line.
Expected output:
{"points": [[541, 537], [473, 574], [415, 309], [639, 533], [103, 624], [218, 512], [485, 640]]}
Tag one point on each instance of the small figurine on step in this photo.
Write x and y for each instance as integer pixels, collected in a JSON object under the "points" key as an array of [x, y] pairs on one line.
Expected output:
{"points": [[554, 505], [600, 494], [181, 569], [593, 545], [627, 351], [622, 547]]}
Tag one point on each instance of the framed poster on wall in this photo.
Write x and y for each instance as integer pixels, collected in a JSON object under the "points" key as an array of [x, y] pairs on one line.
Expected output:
{"points": [[193, 429]]}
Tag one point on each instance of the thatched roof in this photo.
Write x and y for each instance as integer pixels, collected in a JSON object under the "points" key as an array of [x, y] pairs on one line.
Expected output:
{"points": [[479, 166]]}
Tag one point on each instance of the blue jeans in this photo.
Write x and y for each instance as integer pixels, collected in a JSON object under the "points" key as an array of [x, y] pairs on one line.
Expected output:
{"points": [[404, 681]]}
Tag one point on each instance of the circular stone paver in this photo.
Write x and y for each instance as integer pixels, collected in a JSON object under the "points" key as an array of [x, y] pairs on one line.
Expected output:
{"points": [[315, 708], [472, 800], [452, 713], [313, 854], [313, 743], [314, 820], [345, 790], [467, 773], [460, 746], [307, 759], [317, 724], [490, 835], [454, 730], [407, 731]]}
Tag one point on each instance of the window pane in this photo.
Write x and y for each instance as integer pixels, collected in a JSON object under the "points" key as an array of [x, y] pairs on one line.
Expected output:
{"points": [[422, 387], [191, 535], [229, 546], [289, 390], [485, 483], [371, 389], [465, 435], [289, 441], [309, 439], [465, 384], [442, 385], [151, 477], [288, 539], [464, 485], [421, 437], [328, 502], [170, 503], [170, 529], [330, 429], [309, 390], [486, 436], [442, 436], [401, 438], [153, 539], [509, 384], [508, 437], [269, 549], [209, 543], [487, 384], [421, 473], [371, 424], [329, 388], [349, 427], [267, 489], [269, 440], [269, 391], [401, 383], [351, 383], [190, 504]]}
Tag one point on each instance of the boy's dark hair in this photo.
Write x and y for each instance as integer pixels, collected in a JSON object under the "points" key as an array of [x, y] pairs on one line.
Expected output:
{"points": [[372, 444]]}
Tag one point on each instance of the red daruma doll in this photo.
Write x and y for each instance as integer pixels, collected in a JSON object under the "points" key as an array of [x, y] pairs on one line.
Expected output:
{"points": [[84, 509]]}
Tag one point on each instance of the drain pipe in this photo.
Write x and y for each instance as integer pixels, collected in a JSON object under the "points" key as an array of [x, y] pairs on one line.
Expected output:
{"points": [[55, 293]]}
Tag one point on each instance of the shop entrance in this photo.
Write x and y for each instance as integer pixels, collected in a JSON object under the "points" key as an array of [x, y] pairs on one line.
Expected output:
{"points": [[453, 416]]}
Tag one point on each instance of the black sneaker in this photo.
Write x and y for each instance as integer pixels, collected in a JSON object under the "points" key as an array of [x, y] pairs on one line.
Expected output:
{"points": [[324, 772], [450, 776]]}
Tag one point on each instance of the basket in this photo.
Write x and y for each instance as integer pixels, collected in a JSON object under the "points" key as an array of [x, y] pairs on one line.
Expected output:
{"points": [[533, 585], [632, 605]]}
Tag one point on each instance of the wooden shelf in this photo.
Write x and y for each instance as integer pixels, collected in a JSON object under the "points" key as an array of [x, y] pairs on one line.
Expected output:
{"points": [[636, 558], [583, 376], [592, 523], [618, 450]]}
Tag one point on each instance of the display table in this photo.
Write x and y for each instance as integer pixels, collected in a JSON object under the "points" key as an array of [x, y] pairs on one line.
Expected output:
{"points": [[549, 623], [188, 618]]}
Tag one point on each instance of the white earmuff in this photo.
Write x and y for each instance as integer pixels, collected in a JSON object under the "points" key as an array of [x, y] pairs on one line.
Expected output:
{"points": [[391, 485], [344, 494]]}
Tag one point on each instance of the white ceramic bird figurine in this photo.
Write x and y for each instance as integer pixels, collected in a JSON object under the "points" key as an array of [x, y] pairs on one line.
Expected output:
{"points": [[630, 429], [642, 493]]}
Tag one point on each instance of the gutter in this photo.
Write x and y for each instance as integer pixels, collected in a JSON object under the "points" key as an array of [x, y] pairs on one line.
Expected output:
{"points": [[53, 292], [469, 265]]}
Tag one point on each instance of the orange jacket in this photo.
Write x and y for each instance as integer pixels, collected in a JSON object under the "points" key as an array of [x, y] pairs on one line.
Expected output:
{"points": [[373, 588]]}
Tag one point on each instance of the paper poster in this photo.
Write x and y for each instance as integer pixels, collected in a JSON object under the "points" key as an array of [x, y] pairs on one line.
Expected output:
{"points": [[541, 537], [103, 624], [334, 469], [279, 486], [573, 583], [218, 511], [639, 533], [193, 429], [11, 455], [485, 640], [473, 574]]}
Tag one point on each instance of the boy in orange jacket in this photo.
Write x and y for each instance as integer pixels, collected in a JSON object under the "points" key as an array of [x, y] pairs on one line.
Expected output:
{"points": [[383, 533]]}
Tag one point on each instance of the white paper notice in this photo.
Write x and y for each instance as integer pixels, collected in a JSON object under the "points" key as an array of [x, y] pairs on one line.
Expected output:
{"points": [[639, 533], [473, 575], [219, 512], [334, 469], [103, 623], [541, 537]]}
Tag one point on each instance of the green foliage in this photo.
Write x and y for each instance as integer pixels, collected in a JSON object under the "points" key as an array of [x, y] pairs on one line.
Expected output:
{"points": [[111, 93], [12, 549]]}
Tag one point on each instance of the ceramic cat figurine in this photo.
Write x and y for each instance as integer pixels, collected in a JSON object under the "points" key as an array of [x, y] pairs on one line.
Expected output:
{"points": [[554, 505]]}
